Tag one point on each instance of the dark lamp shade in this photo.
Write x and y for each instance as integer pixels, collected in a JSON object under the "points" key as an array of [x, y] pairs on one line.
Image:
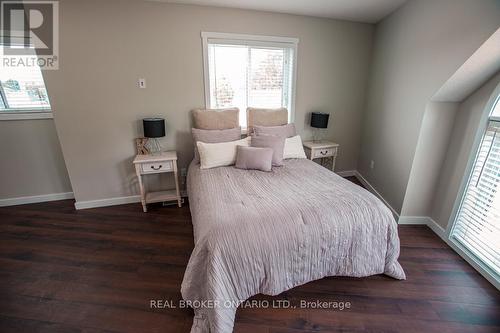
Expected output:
{"points": [[154, 127], [319, 120]]}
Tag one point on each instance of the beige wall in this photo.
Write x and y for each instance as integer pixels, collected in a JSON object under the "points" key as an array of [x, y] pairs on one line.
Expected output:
{"points": [[416, 50], [462, 138], [430, 153], [107, 45], [32, 162]]}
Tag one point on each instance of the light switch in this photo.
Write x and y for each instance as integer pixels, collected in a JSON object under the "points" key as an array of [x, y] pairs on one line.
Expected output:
{"points": [[142, 83]]}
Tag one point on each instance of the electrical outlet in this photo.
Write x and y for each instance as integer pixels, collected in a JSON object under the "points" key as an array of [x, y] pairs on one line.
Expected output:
{"points": [[372, 164], [142, 83]]}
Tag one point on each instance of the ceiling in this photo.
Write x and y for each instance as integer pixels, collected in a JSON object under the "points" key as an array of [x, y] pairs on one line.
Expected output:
{"points": [[369, 11]]}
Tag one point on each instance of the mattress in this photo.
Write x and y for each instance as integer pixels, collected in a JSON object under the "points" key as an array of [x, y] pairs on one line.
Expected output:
{"points": [[266, 232]]}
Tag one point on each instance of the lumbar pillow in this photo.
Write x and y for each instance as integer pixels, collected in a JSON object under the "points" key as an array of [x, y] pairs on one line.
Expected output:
{"points": [[276, 143], [214, 136], [286, 131], [294, 148], [214, 155], [252, 158]]}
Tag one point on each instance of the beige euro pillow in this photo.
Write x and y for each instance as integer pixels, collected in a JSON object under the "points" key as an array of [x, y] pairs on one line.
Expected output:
{"points": [[213, 155], [266, 117], [216, 119]]}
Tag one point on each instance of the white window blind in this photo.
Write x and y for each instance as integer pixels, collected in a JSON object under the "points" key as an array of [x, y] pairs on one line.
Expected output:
{"points": [[248, 73], [22, 87], [477, 225]]}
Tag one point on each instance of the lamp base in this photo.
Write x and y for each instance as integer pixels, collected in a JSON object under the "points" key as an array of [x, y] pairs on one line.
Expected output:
{"points": [[317, 135], [154, 146]]}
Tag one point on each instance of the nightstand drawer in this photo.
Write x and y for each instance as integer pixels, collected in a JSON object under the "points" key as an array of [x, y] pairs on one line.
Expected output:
{"points": [[156, 167], [325, 152]]}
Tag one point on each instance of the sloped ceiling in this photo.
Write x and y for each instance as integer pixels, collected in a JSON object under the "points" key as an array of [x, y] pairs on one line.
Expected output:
{"points": [[481, 66]]}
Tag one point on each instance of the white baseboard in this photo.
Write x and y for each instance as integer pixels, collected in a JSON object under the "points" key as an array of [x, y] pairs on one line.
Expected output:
{"points": [[36, 198], [424, 220], [113, 201], [370, 188], [69, 195], [413, 220], [347, 173], [438, 230], [107, 202]]}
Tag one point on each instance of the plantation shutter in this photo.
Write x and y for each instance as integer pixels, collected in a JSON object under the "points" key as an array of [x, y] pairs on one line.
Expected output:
{"points": [[245, 75], [477, 226]]}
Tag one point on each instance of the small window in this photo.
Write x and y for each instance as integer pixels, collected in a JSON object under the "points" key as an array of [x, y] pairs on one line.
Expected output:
{"points": [[249, 71], [22, 88]]}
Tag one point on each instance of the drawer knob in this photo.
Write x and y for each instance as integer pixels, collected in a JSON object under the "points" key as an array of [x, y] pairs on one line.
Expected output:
{"points": [[323, 152], [158, 168]]}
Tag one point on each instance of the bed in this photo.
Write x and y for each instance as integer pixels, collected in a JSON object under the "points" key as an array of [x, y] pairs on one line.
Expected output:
{"points": [[267, 232]]}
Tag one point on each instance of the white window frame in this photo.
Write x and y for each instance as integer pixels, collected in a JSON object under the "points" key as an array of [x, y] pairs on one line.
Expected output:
{"points": [[467, 255], [250, 40], [23, 113]]}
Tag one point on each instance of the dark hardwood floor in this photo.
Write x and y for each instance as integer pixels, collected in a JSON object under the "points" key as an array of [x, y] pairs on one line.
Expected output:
{"points": [[96, 270]]}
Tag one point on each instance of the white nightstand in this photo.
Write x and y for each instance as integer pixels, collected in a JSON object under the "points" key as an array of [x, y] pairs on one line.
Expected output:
{"points": [[321, 149], [153, 164]]}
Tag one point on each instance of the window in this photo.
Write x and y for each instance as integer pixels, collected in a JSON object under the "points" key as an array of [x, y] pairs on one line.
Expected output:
{"points": [[249, 71], [477, 224], [22, 89]]}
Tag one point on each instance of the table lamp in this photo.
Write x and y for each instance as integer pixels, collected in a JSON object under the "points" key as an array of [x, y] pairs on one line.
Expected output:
{"points": [[154, 128], [319, 121]]}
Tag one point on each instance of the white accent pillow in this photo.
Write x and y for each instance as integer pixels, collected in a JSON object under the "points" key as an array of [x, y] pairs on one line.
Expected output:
{"points": [[294, 148], [214, 155]]}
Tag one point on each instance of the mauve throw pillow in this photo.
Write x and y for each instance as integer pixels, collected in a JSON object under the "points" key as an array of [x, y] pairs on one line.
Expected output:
{"points": [[286, 131], [213, 136], [276, 143], [252, 158]]}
